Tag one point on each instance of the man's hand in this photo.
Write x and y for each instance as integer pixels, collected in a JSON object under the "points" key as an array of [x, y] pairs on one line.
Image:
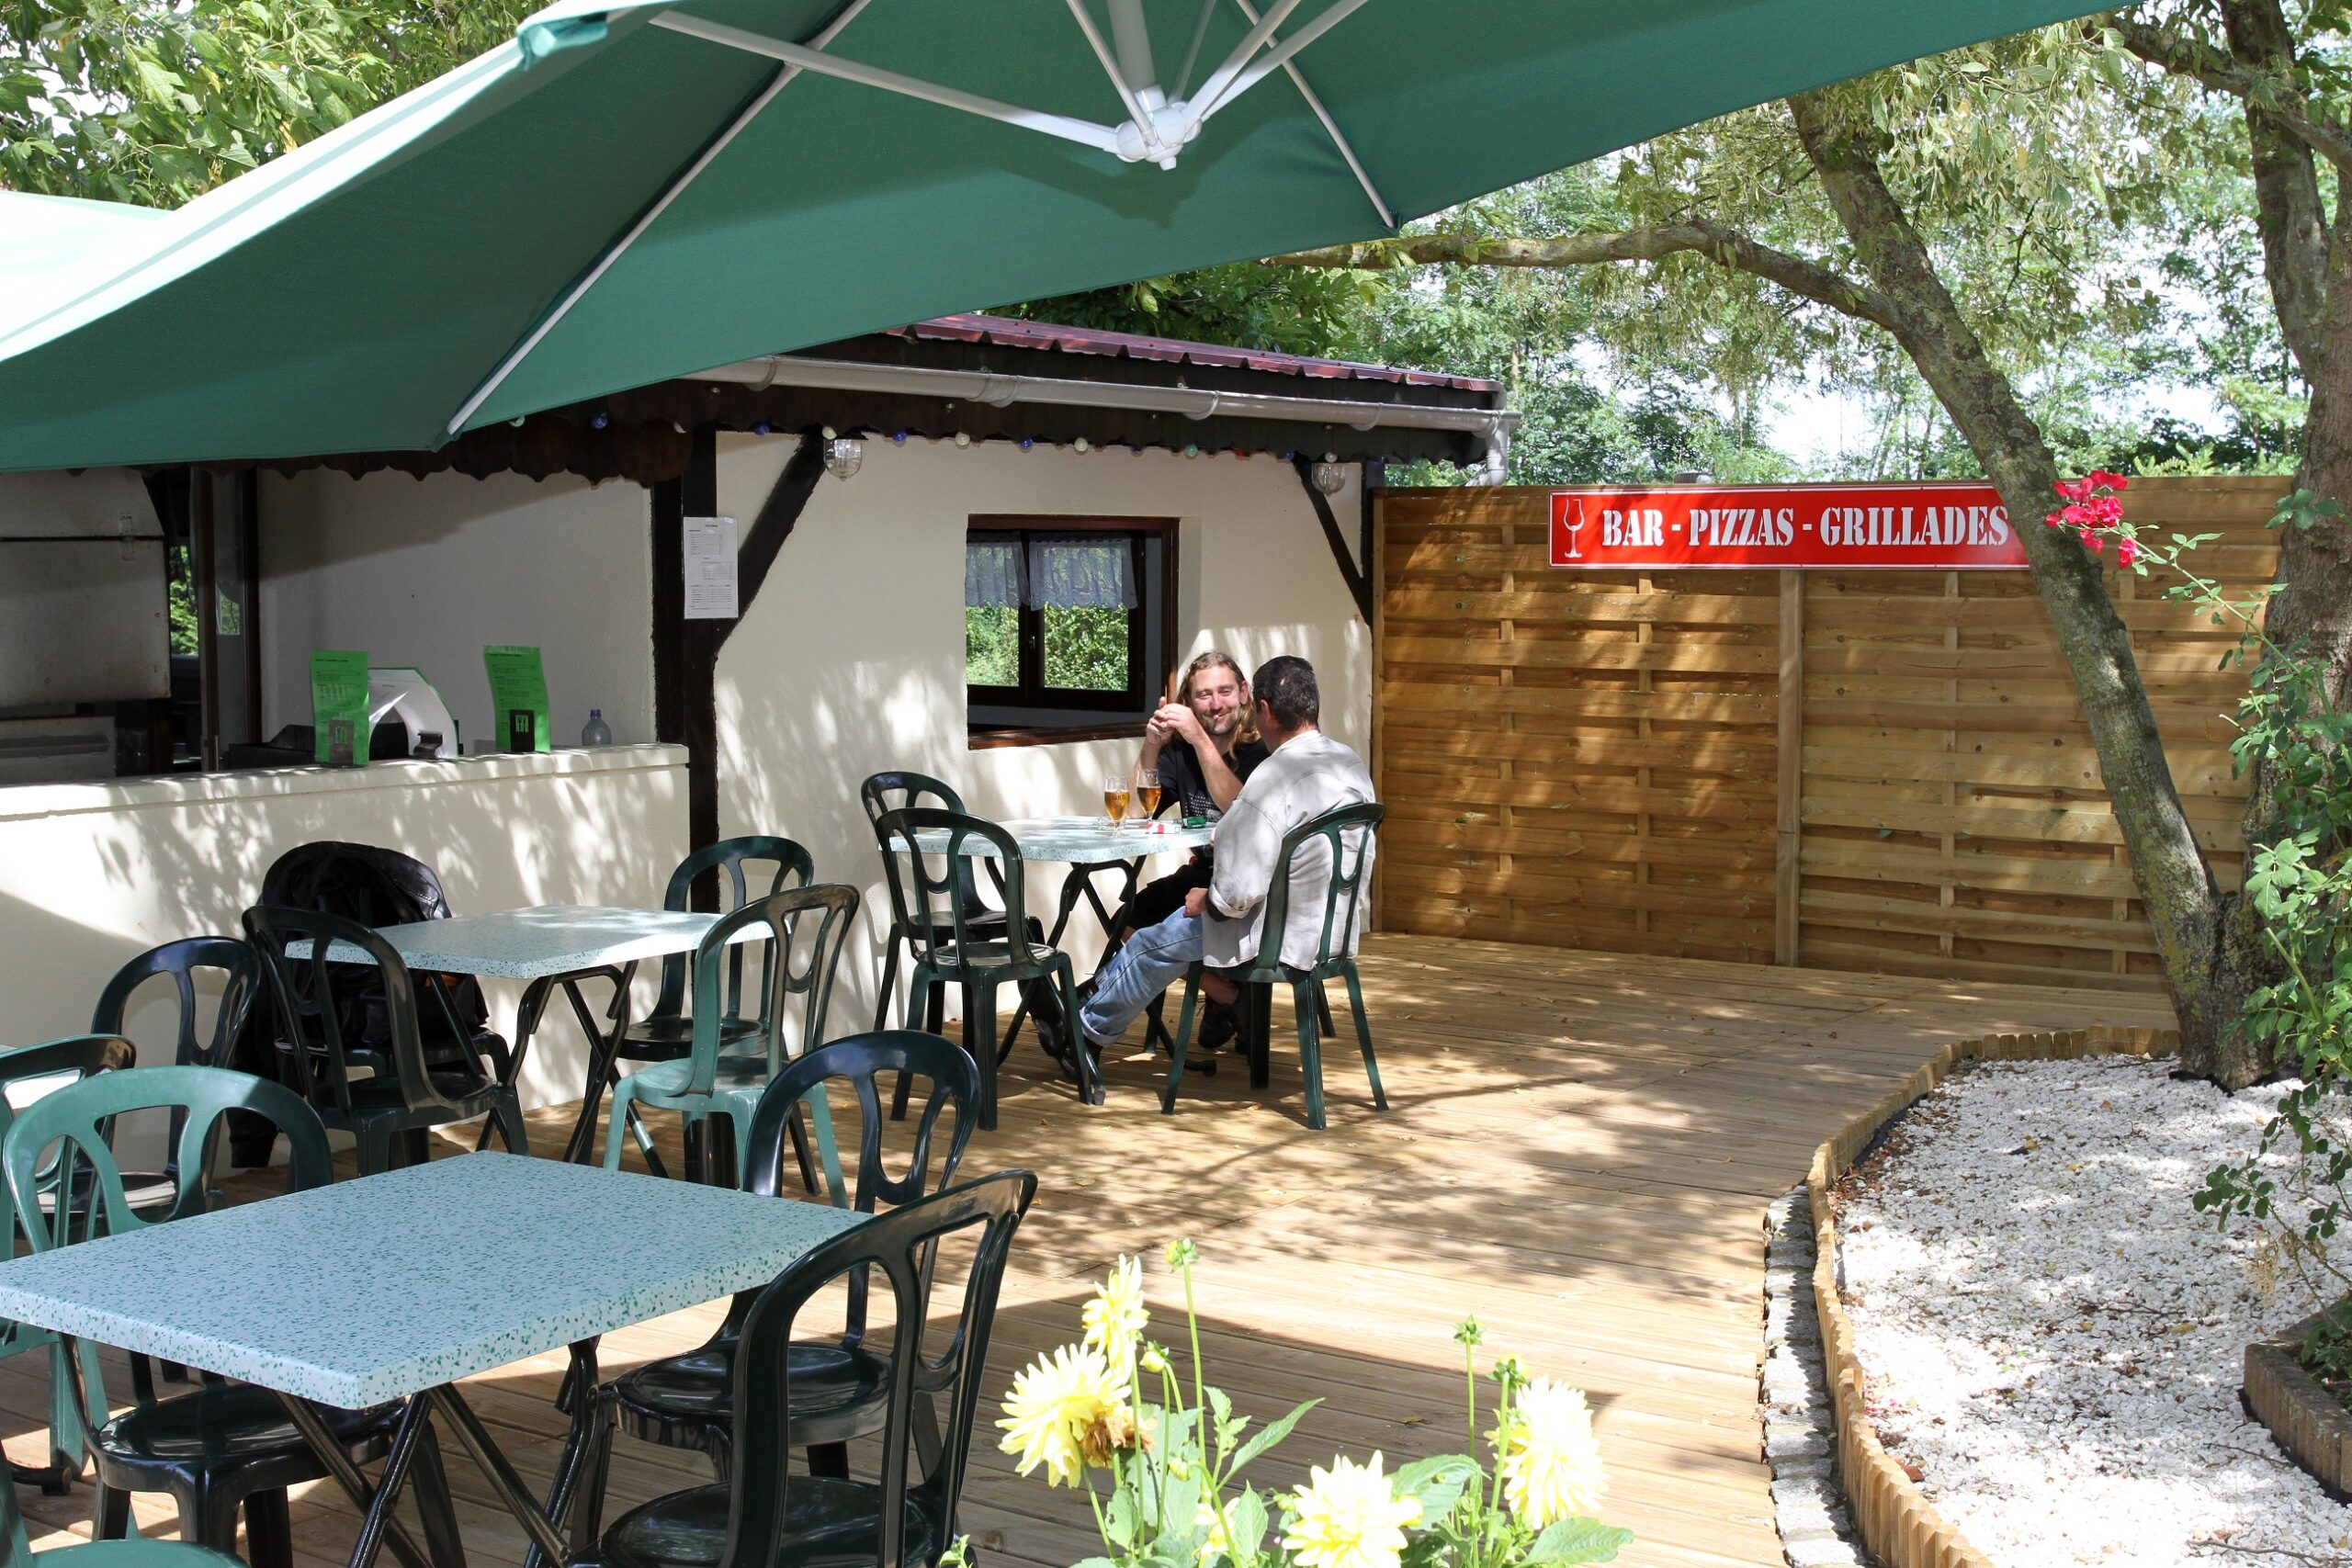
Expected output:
{"points": [[1196, 903], [1179, 722]]}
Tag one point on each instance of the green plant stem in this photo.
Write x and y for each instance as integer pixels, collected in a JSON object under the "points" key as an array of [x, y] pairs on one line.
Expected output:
{"points": [[1470, 1386], [1212, 1470]]}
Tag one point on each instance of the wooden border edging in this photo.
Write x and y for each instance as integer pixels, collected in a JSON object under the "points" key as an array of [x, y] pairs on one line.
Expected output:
{"points": [[1897, 1523], [2305, 1418]]}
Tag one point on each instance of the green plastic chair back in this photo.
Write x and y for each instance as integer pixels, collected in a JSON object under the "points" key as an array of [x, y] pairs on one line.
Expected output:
{"points": [[794, 868], [304, 987], [179, 962], [74, 1121], [15, 1550], [76, 1058], [1327, 835], [807, 928], [902, 790], [923, 1376], [926, 902]]}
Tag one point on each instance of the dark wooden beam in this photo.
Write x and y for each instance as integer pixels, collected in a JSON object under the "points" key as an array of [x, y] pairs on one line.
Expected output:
{"points": [[756, 555], [685, 653], [1359, 585], [699, 640]]}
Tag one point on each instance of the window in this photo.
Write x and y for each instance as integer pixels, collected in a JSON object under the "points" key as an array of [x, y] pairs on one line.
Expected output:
{"points": [[1066, 620]]}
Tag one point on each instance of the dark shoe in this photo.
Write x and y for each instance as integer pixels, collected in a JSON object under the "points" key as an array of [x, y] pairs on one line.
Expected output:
{"points": [[1220, 1021]]}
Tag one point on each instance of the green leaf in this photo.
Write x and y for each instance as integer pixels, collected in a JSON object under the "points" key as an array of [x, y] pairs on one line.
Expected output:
{"points": [[1245, 1522], [1437, 1483], [1577, 1540], [1267, 1437], [1121, 1520]]}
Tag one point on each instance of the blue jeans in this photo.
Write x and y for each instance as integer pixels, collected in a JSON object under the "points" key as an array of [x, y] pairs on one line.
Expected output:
{"points": [[1153, 959]]}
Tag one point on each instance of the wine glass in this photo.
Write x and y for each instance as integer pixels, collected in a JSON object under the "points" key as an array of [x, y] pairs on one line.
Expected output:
{"points": [[1114, 799], [1146, 794], [1573, 529]]}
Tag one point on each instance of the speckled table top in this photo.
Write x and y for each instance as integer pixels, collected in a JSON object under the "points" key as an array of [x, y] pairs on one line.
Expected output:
{"points": [[1077, 840], [377, 1288], [534, 945]]}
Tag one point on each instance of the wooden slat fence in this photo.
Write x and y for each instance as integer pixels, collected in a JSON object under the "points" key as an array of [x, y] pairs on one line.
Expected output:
{"points": [[1617, 762]]}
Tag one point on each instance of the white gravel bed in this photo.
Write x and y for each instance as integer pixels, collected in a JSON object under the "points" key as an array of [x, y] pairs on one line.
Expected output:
{"points": [[2054, 1339]]}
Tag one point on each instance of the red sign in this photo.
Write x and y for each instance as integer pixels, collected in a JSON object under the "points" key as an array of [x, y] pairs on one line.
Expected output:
{"points": [[1881, 527]]}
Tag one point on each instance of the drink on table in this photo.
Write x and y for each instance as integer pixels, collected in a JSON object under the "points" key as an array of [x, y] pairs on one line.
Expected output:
{"points": [[1115, 800], [1146, 794]]}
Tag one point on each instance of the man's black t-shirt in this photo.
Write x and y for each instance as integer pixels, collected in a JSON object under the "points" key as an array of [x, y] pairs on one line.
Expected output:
{"points": [[1180, 774]]}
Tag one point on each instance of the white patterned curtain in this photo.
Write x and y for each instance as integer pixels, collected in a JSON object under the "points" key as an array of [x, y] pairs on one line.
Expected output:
{"points": [[993, 574], [1081, 572]]}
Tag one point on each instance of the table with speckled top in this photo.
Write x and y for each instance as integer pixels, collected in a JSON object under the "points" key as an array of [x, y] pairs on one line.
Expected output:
{"points": [[555, 945], [399, 1285]]}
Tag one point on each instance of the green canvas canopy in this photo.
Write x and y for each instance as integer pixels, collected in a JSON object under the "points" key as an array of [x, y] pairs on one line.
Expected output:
{"points": [[628, 192]]}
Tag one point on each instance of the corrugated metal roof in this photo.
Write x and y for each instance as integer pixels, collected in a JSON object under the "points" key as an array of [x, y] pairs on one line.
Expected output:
{"points": [[974, 327]]}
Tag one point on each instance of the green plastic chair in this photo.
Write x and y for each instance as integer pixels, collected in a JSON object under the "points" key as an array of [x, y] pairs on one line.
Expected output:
{"points": [[1329, 834], [688, 1400], [390, 1112], [15, 1549], [68, 1060], [763, 1515], [951, 948], [224, 1446], [807, 928], [178, 961]]}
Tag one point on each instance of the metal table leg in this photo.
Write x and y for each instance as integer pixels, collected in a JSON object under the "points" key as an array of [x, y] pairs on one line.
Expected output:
{"points": [[377, 1526], [546, 1541], [380, 1527], [578, 1396]]}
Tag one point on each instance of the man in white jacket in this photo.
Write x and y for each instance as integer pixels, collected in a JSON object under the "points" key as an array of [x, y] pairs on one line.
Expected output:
{"points": [[1307, 774]]}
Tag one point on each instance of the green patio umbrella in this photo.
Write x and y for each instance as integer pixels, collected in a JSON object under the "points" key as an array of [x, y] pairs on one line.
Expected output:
{"points": [[631, 191]]}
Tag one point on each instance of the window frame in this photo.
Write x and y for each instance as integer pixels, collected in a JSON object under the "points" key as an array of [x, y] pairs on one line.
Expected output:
{"points": [[1147, 674]]}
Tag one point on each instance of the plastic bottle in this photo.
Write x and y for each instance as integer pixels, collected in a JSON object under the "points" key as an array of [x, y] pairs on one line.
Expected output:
{"points": [[596, 732]]}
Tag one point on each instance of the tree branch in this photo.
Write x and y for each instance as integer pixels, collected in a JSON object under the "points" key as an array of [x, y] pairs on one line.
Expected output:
{"points": [[1726, 247], [2217, 72]]}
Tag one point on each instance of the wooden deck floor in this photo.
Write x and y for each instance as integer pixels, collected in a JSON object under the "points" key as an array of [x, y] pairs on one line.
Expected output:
{"points": [[1581, 1151]]}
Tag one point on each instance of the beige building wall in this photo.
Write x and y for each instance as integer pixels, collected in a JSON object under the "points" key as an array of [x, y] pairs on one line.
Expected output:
{"points": [[852, 660]]}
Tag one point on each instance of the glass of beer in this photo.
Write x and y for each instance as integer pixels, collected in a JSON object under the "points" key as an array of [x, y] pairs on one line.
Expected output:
{"points": [[1146, 794], [1114, 799]]}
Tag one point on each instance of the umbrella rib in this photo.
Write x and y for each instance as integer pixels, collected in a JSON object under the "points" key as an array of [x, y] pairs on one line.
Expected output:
{"points": [[1222, 77], [1111, 69], [1330, 129], [1192, 54], [669, 193], [1067, 127], [1280, 56]]}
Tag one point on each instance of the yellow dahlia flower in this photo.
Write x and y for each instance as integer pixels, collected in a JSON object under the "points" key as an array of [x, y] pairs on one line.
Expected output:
{"points": [[1551, 1462], [1056, 1402], [1116, 1317], [1348, 1517], [1214, 1545]]}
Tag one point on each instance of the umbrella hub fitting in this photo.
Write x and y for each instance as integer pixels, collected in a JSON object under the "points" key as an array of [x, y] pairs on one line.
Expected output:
{"points": [[1161, 133]]}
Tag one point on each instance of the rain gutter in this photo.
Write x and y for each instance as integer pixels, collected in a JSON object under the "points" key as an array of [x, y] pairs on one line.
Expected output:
{"points": [[1495, 425]]}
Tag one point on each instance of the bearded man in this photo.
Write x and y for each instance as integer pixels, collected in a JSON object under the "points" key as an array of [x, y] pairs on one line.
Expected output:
{"points": [[1204, 745]]}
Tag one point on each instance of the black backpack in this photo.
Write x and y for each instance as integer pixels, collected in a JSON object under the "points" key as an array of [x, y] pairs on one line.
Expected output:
{"points": [[379, 887]]}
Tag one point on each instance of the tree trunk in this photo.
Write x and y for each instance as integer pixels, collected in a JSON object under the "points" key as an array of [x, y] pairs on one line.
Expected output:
{"points": [[2177, 889]]}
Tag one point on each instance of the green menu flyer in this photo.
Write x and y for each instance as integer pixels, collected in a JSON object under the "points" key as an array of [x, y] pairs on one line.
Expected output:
{"points": [[518, 685], [339, 705]]}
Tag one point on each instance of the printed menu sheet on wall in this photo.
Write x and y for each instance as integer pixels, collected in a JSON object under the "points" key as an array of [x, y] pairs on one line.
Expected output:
{"points": [[710, 568]]}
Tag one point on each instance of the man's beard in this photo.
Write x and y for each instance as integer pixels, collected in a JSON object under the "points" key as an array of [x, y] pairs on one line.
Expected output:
{"points": [[1222, 726]]}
